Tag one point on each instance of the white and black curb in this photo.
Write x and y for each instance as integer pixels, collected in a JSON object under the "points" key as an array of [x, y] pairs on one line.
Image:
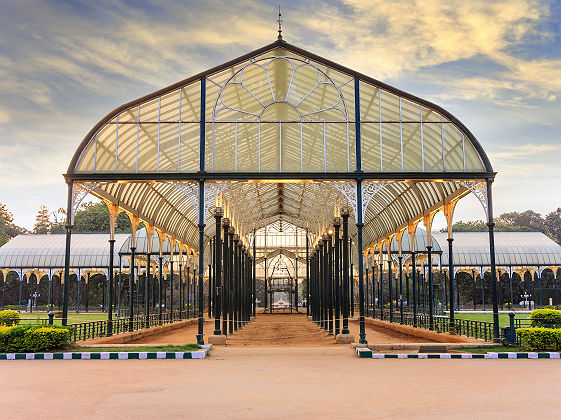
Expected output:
{"points": [[369, 354], [137, 355]]}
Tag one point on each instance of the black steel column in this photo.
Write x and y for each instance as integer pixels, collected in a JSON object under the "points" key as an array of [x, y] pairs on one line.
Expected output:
{"points": [[336, 272], [452, 291], [390, 282], [131, 288], [180, 286], [160, 280], [110, 294], [200, 332], [381, 284], [236, 279], [414, 281], [254, 273], [218, 213], [307, 273], [146, 292], [226, 269], [430, 285], [323, 284], [345, 240], [231, 256], [171, 283], [211, 277], [69, 220], [330, 282], [400, 259], [491, 225]]}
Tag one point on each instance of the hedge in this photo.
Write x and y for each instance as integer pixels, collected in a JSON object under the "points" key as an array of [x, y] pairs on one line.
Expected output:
{"points": [[32, 338], [9, 317], [541, 338], [546, 318]]}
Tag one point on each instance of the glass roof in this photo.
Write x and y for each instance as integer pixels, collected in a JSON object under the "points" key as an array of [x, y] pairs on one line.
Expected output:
{"points": [[88, 250], [278, 110], [511, 249]]}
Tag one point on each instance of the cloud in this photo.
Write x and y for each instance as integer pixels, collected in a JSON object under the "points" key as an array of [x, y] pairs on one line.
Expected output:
{"points": [[527, 151]]}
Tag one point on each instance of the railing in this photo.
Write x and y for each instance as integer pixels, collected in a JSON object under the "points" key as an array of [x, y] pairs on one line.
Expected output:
{"points": [[96, 329], [475, 329]]}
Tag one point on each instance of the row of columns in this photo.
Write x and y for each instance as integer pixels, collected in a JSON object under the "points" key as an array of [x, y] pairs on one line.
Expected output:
{"points": [[231, 279]]}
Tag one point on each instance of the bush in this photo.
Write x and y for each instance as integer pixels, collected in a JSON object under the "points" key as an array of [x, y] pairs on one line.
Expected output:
{"points": [[32, 338], [9, 317], [546, 318], [541, 338]]}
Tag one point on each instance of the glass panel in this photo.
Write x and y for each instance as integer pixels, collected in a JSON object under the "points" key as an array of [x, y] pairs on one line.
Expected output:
{"points": [[412, 159], [148, 148], [473, 162], [190, 147], [169, 108], [191, 102], [169, 145], [432, 141], [248, 146], [149, 110], [391, 147], [336, 148], [127, 148], [410, 111], [224, 149], [290, 147], [369, 104], [390, 106], [86, 160], [270, 147], [313, 147], [453, 148], [370, 142], [106, 149]]}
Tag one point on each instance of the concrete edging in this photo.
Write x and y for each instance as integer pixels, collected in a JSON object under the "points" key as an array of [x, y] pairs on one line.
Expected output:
{"points": [[369, 354], [138, 355]]}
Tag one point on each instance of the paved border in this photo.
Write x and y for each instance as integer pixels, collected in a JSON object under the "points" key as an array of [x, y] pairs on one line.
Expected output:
{"points": [[139, 355], [368, 354]]}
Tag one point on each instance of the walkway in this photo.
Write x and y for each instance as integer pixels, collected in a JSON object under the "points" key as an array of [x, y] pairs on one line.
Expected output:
{"points": [[279, 383]]}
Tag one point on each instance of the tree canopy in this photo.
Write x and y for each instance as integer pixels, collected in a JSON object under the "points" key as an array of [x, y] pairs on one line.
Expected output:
{"points": [[527, 221], [8, 229]]}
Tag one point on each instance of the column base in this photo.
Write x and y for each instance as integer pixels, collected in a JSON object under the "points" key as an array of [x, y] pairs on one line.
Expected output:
{"points": [[345, 339], [452, 330], [217, 340]]}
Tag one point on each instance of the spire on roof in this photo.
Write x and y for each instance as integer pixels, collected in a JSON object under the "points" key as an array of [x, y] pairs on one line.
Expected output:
{"points": [[279, 20]]}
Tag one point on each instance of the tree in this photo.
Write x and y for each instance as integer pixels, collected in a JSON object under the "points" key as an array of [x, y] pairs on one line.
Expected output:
{"points": [[526, 221], [42, 220], [59, 220], [8, 229], [95, 218], [553, 225]]}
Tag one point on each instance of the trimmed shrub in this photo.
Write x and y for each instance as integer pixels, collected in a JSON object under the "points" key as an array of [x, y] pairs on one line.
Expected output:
{"points": [[32, 338], [550, 318], [9, 317], [541, 338]]}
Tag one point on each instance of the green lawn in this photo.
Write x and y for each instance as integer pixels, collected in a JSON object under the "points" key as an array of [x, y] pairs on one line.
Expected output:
{"points": [[169, 347], [504, 320], [492, 349], [72, 317]]}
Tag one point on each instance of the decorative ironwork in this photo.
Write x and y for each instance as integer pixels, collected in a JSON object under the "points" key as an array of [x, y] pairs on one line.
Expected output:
{"points": [[79, 191], [479, 189]]}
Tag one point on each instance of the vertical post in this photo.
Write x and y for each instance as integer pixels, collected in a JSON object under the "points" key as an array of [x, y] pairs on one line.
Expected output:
{"points": [[452, 285], [345, 240], [147, 291], [226, 271], [400, 259], [236, 278], [171, 282], [160, 280], [211, 278], [337, 226], [359, 226], [131, 288], [431, 292], [110, 287], [231, 256], [390, 280], [414, 280], [381, 284], [218, 213], [329, 284], [200, 335], [69, 221], [254, 271], [491, 225], [307, 273]]}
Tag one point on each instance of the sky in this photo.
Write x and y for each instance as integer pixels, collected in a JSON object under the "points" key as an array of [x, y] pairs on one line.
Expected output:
{"points": [[494, 65]]}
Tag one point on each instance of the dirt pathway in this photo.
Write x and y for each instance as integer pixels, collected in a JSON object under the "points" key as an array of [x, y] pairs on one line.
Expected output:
{"points": [[285, 330]]}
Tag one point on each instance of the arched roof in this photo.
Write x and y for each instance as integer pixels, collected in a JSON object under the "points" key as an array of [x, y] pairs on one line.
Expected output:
{"points": [[278, 113], [88, 250], [518, 249]]}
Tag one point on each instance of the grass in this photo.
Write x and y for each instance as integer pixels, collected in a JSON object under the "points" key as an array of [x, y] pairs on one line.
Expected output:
{"points": [[168, 347], [492, 349], [504, 319], [73, 318]]}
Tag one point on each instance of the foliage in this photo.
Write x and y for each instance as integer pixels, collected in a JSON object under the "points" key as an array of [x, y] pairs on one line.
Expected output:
{"points": [[32, 338], [546, 318], [541, 338], [527, 221], [42, 220], [95, 218], [9, 317], [7, 228]]}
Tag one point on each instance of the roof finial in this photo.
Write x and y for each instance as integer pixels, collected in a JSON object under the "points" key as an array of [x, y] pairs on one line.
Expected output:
{"points": [[280, 24]]}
